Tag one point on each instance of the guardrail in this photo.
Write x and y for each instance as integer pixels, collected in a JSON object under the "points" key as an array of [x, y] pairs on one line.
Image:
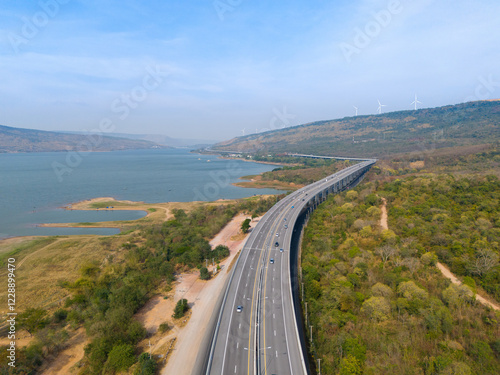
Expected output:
{"points": [[316, 193]]}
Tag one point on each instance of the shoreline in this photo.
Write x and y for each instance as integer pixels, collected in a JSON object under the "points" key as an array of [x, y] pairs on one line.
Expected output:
{"points": [[154, 212]]}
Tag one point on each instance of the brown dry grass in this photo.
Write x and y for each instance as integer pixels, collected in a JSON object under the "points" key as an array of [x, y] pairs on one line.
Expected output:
{"points": [[43, 263], [258, 183]]}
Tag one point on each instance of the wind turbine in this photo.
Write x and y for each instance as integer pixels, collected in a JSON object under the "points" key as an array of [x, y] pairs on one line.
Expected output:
{"points": [[243, 131], [416, 102], [356, 108], [380, 105]]}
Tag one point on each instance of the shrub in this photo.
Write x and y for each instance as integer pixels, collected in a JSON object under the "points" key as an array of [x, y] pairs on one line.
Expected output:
{"points": [[376, 308], [411, 291], [180, 308], [245, 226], [204, 274], [457, 295], [147, 365], [382, 290], [350, 365], [164, 327], [429, 258], [121, 357], [351, 195], [32, 320], [60, 315]]}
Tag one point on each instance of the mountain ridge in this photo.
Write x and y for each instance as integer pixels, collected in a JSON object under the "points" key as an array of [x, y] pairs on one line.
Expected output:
{"points": [[380, 135], [13, 140]]}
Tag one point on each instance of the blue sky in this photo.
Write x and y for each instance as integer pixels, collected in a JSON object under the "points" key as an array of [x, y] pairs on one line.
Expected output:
{"points": [[232, 66]]}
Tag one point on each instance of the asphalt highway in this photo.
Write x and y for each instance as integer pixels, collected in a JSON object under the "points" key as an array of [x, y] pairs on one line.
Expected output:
{"points": [[264, 337]]}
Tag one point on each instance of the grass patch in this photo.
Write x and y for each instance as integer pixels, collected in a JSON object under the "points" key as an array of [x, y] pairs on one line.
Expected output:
{"points": [[152, 209], [29, 246], [85, 224]]}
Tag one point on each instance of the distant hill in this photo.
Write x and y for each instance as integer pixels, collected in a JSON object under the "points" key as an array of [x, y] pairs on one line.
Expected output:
{"points": [[162, 139], [379, 135], [29, 140]]}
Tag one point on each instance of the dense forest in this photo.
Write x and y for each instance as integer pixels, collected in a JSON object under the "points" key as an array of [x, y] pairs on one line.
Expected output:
{"points": [[107, 295], [375, 299]]}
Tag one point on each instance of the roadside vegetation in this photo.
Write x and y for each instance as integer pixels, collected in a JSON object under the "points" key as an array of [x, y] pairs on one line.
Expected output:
{"points": [[375, 299], [110, 289], [297, 172]]}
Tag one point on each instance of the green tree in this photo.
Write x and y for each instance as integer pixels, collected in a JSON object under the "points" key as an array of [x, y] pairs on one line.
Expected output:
{"points": [[382, 290], [350, 365], [429, 259], [147, 365], [376, 308], [180, 308], [121, 357], [411, 291], [245, 226], [458, 295], [32, 320], [204, 274]]}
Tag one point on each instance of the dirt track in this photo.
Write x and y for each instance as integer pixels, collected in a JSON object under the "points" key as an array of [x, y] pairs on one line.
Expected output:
{"points": [[202, 295], [444, 270]]}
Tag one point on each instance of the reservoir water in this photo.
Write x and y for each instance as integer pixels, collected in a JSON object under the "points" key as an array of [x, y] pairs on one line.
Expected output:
{"points": [[34, 186]]}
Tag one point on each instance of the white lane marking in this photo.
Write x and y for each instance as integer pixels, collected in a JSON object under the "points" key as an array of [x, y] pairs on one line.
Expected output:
{"points": [[274, 332], [234, 303], [237, 345], [284, 318], [239, 327], [276, 354], [274, 316], [235, 367]]}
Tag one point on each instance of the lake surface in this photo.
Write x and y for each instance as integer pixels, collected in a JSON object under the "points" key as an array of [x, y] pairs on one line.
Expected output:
{"points": [[34, 186]]}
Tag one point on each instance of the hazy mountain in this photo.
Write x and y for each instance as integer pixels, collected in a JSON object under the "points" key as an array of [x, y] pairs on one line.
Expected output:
{"points": [[30, 140], [162, 139], [378, 135]]}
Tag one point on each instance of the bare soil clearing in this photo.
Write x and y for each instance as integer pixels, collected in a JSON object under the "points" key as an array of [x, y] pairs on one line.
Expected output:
{"points": [[383, 217], [202, 296], [67, 361], [447, 273]]}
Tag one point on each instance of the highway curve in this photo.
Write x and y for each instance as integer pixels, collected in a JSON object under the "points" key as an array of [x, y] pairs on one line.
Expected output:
{"points": [[265, 337]]}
